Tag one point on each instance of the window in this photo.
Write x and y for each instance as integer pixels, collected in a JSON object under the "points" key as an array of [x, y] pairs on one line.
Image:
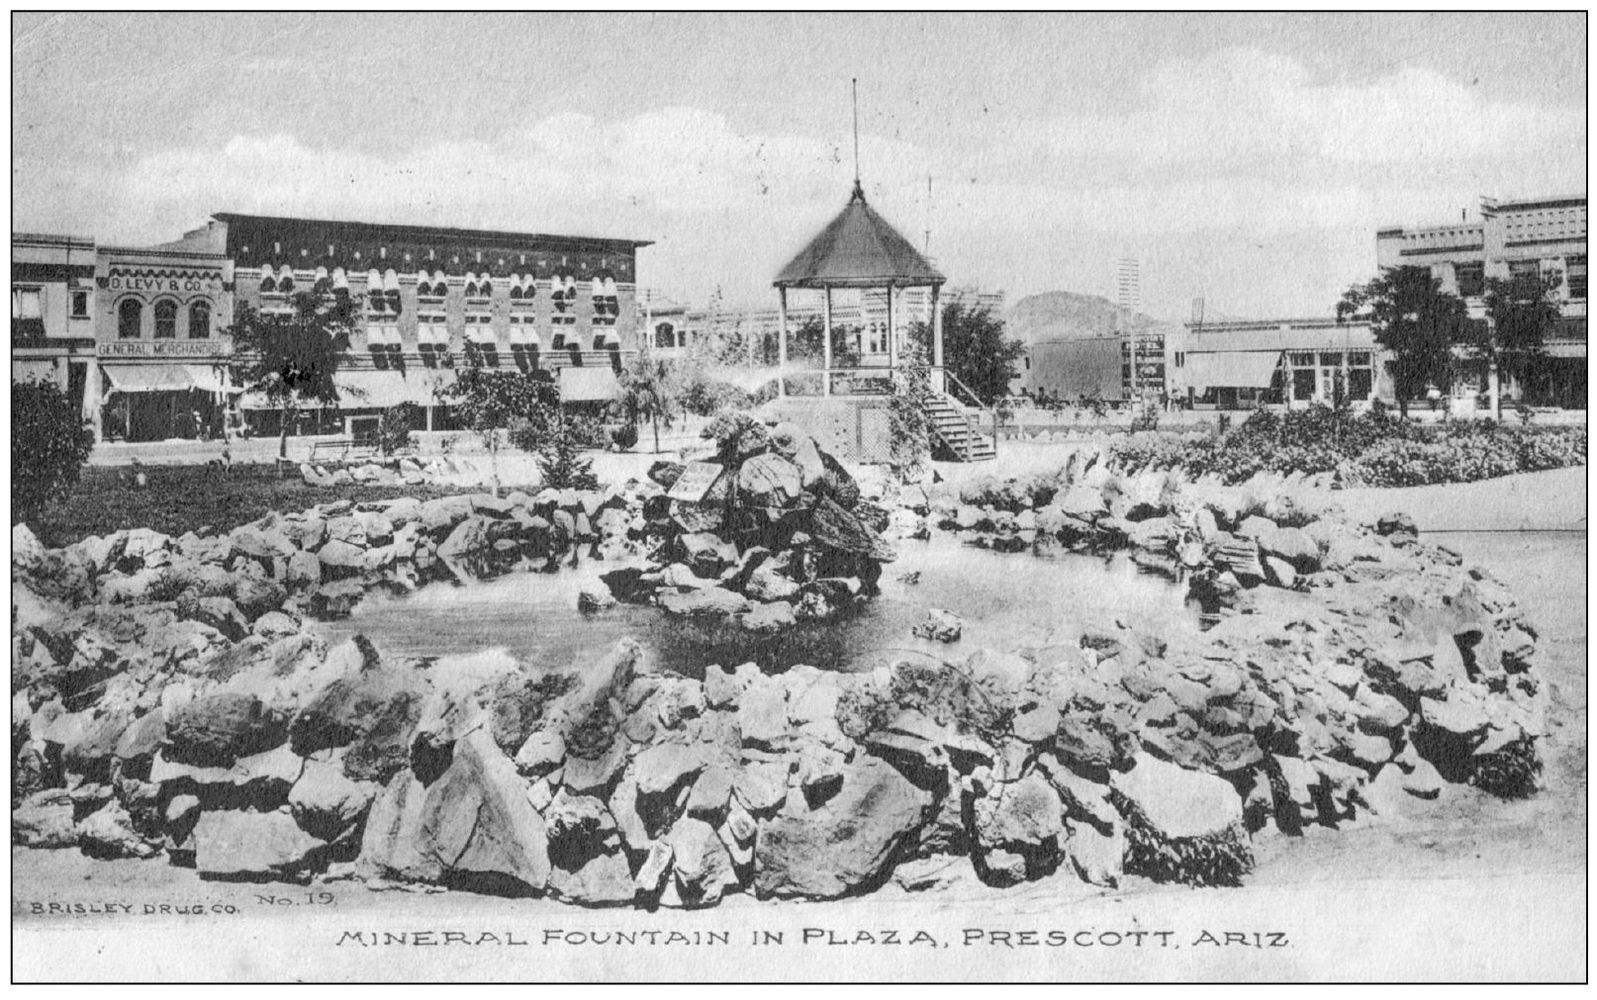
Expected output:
{"points": [[130, 319], [1524, 269], [199, 320], [27, 303], [1301, 359], [1332, 359], [1303, 382], [80, 305], [286, 285], [665, 335], [1577, 276], [268, 286], [1471, 279], [1359, 384], [165, 320]]}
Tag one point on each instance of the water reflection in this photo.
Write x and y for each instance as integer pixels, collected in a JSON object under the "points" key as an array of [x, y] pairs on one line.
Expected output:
{"points": [[1005, 599]]}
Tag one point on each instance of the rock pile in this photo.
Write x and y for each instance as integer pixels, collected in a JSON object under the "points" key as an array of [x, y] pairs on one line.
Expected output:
{"points": [[167, 700], [780, 535], [400, 471]]}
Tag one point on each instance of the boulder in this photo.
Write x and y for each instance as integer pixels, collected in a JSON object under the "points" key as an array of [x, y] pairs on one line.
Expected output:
{"points": [[701, 866], [766, 583], [1291, 545], [1181, 825], [473, 826], [769, 480], [663, 769], [216, 729], [848, 844], [776, 616], [843, 531], [762, 715], [707, 554], [940, 626], [325, 802], [712, 602], [44, 819], [1097, 856], [253, 846], [603, 880], [338, 559], [109, 832], [1023, 818]]}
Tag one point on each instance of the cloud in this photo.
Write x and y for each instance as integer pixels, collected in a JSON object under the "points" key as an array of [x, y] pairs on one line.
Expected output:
{"points": [[1212, 159], [1241, 107]]}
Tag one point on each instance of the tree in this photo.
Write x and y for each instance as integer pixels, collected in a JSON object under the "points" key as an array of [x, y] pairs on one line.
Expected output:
{"points": [[1415, 320], [909, 425], [648, 391], [975, 350], [49, 444], [1522, 312], [291, 358], [488, 399], [560, 456]]}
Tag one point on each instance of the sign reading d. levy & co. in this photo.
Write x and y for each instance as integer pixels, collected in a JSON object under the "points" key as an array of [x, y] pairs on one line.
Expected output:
{"points": [[160, 348], [165, 281]]}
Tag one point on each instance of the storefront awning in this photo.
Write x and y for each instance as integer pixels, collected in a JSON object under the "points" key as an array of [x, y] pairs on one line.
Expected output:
{"points": [[1230, 369], [584, 384], [381, 389], [207, 379], [149, 378]]}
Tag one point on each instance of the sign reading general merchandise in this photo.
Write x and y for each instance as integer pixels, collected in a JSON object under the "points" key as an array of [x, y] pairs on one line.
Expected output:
{"points": [[160, 348], [195, 281]]}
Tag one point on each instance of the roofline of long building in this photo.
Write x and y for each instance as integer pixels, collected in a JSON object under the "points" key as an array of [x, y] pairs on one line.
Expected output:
{"points": [[373, 229]]}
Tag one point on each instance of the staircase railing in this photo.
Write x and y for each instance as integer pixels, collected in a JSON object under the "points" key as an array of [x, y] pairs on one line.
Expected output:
{"points": [[983, 407]]}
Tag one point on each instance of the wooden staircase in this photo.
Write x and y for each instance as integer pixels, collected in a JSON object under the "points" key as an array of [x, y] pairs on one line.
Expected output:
{"points": [[953, 438]]}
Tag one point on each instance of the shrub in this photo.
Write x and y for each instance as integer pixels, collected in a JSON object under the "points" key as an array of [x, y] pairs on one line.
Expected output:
{"points": [[560, 457], [394, 426], [706, 397], [1370, 449], [49, 444]]}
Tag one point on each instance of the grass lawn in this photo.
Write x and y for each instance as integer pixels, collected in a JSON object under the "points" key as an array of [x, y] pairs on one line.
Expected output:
{"points": [[181, 498]]}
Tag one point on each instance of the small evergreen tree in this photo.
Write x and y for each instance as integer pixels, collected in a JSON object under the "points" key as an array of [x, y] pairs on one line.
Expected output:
{"points": [[49, 444], [489, 400], [560, 456]]}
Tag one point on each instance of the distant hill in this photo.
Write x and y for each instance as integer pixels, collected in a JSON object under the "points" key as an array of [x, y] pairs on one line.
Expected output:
{"points": [[1069, 316]]}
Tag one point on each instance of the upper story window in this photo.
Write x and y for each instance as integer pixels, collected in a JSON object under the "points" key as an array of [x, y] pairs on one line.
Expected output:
{"points": [[200, 320], [80, 304], [433, 288], [27, 303], [564, 297], [165, 320], [130, 319], [606, 306]]}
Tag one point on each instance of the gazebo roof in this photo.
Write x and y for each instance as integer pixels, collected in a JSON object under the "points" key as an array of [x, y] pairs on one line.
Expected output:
{"points": [[858, 249]]}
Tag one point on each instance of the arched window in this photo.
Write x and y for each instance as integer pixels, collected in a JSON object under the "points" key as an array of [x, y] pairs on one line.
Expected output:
{"points": [[200, 320], [268, 285], [165, 320], [423, 290], [286, 285], [130, 319]]}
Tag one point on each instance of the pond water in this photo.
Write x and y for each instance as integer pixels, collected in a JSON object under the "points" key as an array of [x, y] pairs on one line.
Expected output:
{"points": [[1004, 599]]}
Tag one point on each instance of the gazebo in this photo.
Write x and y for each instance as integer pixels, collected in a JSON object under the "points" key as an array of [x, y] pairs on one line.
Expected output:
{"points": [[859, 249]]}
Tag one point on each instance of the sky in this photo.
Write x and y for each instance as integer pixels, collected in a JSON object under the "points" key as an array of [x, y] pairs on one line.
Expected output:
{"points": [[1245, 158]]}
